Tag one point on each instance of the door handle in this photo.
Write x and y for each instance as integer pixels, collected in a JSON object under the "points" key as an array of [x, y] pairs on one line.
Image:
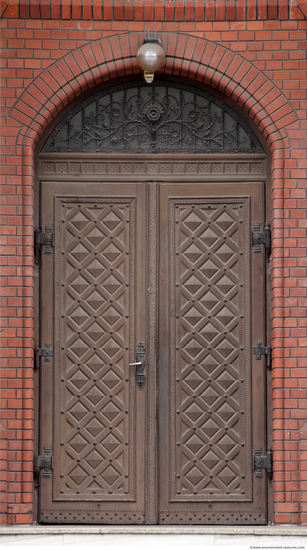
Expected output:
{"points": [[140, 364]]}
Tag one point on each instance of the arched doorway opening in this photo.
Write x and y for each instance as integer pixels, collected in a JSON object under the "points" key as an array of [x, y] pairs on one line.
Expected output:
{"points": [[151, 194]]}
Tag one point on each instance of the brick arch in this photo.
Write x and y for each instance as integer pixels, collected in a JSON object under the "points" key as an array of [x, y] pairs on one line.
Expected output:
{"points": [[195, 58], [115, 56], [201, 61]]}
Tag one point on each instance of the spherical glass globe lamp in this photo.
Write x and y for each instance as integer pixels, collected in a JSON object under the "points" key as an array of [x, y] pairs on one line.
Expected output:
{"points": [[151, 58]]}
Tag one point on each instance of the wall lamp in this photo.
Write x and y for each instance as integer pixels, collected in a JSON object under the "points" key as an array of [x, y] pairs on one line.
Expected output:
{"points": [[150, 56]]}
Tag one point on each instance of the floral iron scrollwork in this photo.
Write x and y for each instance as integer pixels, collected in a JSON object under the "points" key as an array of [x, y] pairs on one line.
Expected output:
{"points": [[167, 117]]}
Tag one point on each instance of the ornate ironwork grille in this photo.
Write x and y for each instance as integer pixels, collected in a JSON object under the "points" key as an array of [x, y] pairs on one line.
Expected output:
{"points": [[165, 117]]}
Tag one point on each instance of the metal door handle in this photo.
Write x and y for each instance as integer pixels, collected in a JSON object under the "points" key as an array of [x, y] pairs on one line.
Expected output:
{"points": [[140, 365]]}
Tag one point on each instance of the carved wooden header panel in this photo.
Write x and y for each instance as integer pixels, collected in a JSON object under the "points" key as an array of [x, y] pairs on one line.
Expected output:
{"points": [[166, 117], [162, 167]]}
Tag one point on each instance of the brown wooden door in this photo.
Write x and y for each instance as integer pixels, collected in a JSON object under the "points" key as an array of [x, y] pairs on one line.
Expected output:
{"points": [[98, 300], [211, 389], [93, 314]]}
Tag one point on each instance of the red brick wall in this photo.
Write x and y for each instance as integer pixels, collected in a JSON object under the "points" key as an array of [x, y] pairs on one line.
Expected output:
{"points": [[254, 51]]}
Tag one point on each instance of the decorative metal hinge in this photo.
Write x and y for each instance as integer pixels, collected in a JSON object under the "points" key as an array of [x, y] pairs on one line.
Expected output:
{"points": [[42, 462], [259, 350], [45, 352], [46, 239], [258, 238], [263, 462]]}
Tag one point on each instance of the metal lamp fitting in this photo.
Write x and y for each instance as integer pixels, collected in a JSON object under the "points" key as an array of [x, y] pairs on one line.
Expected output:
{"points": [[150, 57]]}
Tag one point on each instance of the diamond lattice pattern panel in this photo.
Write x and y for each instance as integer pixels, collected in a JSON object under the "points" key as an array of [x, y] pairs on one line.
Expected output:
{"points": [[210, 424], [94, 335]]}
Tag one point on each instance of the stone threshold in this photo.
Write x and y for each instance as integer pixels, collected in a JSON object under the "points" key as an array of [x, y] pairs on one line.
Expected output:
{"points": [[268, 530]]}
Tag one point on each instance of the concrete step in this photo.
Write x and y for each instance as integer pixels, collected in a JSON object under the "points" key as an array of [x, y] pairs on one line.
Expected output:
{"points": [[153, 538]]}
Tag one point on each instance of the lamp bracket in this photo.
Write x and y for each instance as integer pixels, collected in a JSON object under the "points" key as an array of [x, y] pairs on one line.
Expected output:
{"points": [[152, 40], [152, 37]]}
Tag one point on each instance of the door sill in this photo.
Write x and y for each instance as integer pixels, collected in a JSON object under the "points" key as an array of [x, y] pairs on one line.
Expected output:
{"points": [[267, 530]]}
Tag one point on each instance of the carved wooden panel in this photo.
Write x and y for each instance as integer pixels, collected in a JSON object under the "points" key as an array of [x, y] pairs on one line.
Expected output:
{"points": [[213, 517], [209, 341], [94, 412], [98, 166], [116, 516]]}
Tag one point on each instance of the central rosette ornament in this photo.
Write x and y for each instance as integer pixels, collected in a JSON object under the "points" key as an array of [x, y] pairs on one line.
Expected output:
{"points": [[153, 112]]}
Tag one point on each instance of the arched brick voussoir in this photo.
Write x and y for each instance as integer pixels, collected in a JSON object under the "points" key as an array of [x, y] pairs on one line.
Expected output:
{"points": [[115, 56]]}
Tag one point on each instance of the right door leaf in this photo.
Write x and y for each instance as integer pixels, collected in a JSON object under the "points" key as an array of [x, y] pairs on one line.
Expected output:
{"points": [[209, 365]]}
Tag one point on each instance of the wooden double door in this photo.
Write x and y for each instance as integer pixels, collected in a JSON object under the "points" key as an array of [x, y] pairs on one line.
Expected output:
{"points": [[166, 261]]}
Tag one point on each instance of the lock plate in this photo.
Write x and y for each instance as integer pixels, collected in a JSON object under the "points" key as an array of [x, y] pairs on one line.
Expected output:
{"points": [[140, 364]]}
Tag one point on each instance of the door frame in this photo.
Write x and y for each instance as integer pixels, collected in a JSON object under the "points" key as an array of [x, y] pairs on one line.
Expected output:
{"points": [[198, 168]]}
